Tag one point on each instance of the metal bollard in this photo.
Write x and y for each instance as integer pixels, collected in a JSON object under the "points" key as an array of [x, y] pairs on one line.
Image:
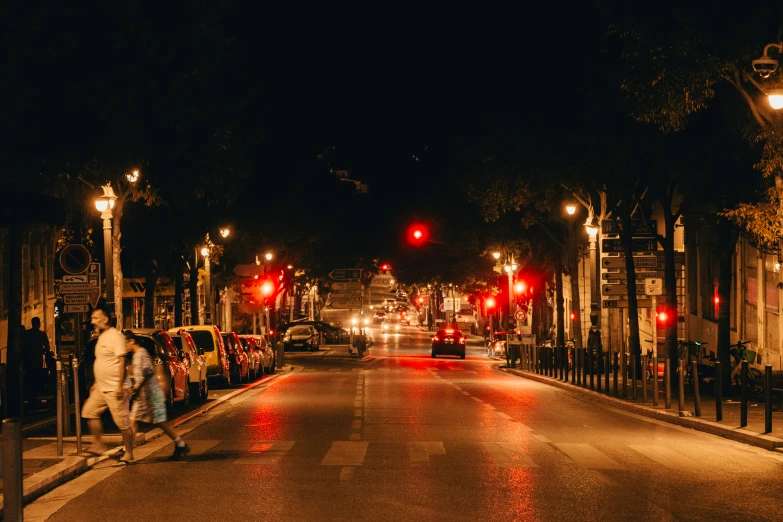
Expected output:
{"points": [[77, 405], [13, 505], [607, 370], [644, 379], [582, 377], [768, 399], [573, 366], [624, 371], [511, 353], [597, 370], [667, 383], [696, 397], [633, 376], [718, 392], [60, 406], [615, 367], [655, 380], [591, 363], [681, 388], [744, 395]]}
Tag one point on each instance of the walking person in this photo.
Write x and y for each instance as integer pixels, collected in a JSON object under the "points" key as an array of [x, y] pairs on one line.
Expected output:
{"points": [[149, 403], [112, 386], [35, 348]]}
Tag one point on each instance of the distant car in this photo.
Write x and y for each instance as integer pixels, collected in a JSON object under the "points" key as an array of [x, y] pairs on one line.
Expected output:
{"points": [[403, 318], [199, 388], [379, 316], [171, 367], [237, 358], [255, 356], [328, 333], [389, 304], [390, 326], [304, 337], [448, 341]]}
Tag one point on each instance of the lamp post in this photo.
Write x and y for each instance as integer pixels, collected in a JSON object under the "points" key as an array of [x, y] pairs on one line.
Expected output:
{"points": [[510, 267], [207, 282], [105, 205], [594, 337]]}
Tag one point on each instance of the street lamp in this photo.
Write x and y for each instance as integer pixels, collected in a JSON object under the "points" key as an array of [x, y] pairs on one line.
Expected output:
{"points": [[225, 232], [571, 209], [594, 337], [510, 267], [207, 282], [775, 98], [105, 205], [132, 176], [268, 256]]}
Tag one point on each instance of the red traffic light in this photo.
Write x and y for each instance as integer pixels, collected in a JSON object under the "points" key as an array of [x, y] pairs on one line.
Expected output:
{"points": [[418, 234], [520, 287], [267, 288], [385, 267], [421, 300], [573, 316], [490, 302]]}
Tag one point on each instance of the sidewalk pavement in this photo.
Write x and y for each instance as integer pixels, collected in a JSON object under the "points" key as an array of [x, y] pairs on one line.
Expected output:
{"points": [[729, 427], [43, 470]]}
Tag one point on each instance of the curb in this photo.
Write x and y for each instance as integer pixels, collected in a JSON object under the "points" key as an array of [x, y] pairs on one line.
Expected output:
{"points": [[766, 442], [71, 467]]}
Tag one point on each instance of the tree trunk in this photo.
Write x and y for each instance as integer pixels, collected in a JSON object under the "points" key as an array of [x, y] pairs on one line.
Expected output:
{"points": [[560, 341], [179, 267], [727, 241], [193, 287], [13, 296], [576, 298], [117, 263], [150, 280]]}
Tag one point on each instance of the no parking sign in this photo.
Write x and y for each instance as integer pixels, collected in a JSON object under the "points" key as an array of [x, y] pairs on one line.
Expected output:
{"points": [[520, 315]]}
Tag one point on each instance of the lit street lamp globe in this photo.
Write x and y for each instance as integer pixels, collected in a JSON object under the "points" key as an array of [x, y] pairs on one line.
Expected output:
{"points": [[268, 256], [204, 251], [571, 209], [775, 98], [496, 255]]}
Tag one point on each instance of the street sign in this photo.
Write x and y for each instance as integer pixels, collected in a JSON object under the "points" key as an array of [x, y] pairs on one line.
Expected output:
{"points": [[622, 276], [94, 274], [76, 288], [341, 286], [638, 262], [639, 228], [75, 259], [520, 315], [637, 245], [249, 270], [349, 274], [74, 299], [653, 286], [250, 308], [78, 278], [619, 289], [622, 303], [94, 296], [76, 309]]}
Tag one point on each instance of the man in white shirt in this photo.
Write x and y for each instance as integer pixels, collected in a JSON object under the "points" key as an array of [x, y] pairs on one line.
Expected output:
{"points": [[112, 386]]}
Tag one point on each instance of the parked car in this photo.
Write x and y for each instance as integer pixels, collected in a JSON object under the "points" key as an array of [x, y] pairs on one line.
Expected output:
{"points": [[448, 341], [239, 366], [255, 356], [302, 336], [389, 304], [199, 388], [329, 333], [270, 357], [208, 338], [171, 366]]}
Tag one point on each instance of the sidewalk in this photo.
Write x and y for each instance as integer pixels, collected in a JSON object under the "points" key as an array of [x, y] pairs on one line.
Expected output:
{"points": [[729, 427], [43, 470]]}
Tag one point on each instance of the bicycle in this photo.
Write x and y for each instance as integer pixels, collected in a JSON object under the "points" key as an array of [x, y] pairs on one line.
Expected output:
{"points": [[685, 353], [755, 379]]}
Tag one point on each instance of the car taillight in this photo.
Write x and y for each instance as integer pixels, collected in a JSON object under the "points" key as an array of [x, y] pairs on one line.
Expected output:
{"points": [[449, 331], [435, 339], [461, 340]]}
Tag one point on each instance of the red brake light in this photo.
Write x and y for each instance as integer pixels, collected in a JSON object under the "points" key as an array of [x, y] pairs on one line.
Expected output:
{"points": [[449, 331], [461, 340], [435, 338]]}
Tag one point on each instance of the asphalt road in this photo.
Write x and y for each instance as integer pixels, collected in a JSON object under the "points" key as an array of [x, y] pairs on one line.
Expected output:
{"points": [[407, 437]]}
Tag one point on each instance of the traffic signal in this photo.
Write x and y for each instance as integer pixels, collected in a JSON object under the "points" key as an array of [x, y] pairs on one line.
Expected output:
{"points": [[573, 316], [418, 234], [664, 317], [490, 302], [385, 267], [520, 287], [421, 300]]}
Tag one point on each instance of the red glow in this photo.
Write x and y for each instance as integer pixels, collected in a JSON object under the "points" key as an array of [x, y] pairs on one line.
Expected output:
{"points": [[461, 340], [520, 287], [267, 288], [449, 331], [421, 300], [573, 316], [662, 317], [490, 302], [435, 338], [716, 299]]}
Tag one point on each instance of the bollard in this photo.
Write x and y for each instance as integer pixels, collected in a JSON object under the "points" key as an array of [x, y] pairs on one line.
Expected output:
{"points": [[589, 367], [681, 384], [696, 397], [614, 371], [579, 366], [77, 405], [644, 379], [624, 372], [597, 370], [535, 359], [718, 392], [573, 365], [13, 507], [552, 363], [60, 405], [511, 354], [607, 370], [633, 376], [655, 380], [744, 395], [667, 384], [768, 399], [563, 362]]}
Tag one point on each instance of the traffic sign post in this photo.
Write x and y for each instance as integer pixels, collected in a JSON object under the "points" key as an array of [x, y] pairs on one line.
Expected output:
{"points": [[75, 259], [346, 274]]}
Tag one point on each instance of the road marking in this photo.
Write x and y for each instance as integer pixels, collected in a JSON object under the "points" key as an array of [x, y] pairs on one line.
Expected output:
{"points": [[508, 455], [541, 438], [457, 387], [267, 452], [346, 474], [356, 424], [488, 405], [476, 399], [587, 456], [345, 453], [420, 451], [357, 404], [465, 394], [665, 457], [504, 415], [747, 460]]}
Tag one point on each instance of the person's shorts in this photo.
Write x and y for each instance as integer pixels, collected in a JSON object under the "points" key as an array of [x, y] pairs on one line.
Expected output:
{"points": [[99, 401]]}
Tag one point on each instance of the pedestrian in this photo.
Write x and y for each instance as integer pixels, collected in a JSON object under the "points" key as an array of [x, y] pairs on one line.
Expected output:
{"points": [[35, 347], [111, 389], [149, 403]]}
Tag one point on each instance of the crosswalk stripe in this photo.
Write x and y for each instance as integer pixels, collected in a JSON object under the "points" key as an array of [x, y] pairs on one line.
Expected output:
{"points": [[746, 460], [421, 451], [665, 457], [345, 453], [267, 452], [587, 456], [508, 455]]}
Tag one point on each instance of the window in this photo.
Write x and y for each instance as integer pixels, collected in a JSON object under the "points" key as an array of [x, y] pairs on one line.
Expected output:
{"points": [[35, 269], [708, 283], [25, 274]]}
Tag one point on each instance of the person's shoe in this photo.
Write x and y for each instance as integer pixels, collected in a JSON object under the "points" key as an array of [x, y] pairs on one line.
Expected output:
{"points": [[180, 452]]}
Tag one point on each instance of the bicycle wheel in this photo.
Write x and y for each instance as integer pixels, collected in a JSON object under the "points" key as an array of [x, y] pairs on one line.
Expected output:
{"points": [[755, 381]]}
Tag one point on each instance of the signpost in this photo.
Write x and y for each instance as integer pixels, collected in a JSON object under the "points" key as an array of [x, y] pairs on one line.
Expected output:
{"points": [[638, 262], [343, 302], [346, 274], [346, 286], [639, 228], [623, 303], [520, 315], [637, 245], [654, 286], [620, 289], [79, 289], [75, 259]]}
